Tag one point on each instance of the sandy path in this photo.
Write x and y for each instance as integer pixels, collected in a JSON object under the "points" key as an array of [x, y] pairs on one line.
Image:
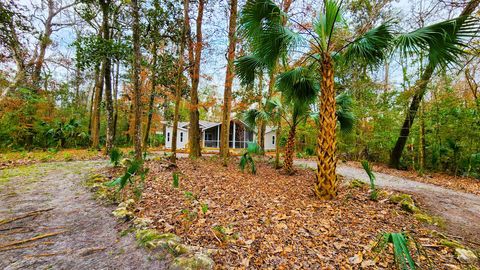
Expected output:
{"points": [[460, 210], [89, 238]]}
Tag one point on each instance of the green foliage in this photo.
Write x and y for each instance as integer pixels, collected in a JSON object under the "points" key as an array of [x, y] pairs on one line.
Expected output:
{"points": [[246, 160], [134, 168], [371, 176], [402, 255], [176, 180], [204, 208], [115, 156]]}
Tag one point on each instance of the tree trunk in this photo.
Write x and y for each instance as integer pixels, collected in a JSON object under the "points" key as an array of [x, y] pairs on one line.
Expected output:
{"points": [[44, 42], [152, 96], [277, 145], [194, 129], [96, 107], [420, 89], [107, 73], [178, 87], [137, 137], [326, 177], [227, 95], [290, 150], [115, 96]]}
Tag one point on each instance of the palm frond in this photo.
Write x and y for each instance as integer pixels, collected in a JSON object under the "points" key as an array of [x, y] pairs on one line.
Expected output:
{"points": [[261, 23], [371, 48], [298, 85], [247, 67], [325, 24], [249, 117], [345, 116], [444, 41]]}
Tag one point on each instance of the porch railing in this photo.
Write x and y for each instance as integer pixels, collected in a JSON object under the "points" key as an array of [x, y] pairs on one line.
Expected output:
{"points": [[216, 144]]}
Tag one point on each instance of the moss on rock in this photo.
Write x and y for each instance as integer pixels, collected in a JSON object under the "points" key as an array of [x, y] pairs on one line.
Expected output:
{"points": [[197, 261]]}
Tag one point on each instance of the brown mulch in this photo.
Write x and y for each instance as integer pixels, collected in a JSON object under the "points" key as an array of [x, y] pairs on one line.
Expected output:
{"points": [[274, 221], [459, 183]]}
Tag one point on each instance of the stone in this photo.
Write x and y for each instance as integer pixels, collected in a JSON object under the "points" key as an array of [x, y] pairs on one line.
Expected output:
{"points": [[465, 255]]}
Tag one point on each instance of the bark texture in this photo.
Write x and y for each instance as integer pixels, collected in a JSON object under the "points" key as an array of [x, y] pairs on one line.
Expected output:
{"points": [[290, 150], [326, 186], [178, 87], [107, 74], [195, 55], [227, 94]]}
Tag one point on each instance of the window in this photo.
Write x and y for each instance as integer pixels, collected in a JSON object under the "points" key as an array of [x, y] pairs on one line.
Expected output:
{"points": [[273, 139], [168, 136], [181, 136], [208, 137]]}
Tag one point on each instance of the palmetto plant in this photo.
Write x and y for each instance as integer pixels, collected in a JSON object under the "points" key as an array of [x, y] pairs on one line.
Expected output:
{"points": [[400, 242], [115, 156], [270, 37], [373, 189], [135, 168], [246, 160]]}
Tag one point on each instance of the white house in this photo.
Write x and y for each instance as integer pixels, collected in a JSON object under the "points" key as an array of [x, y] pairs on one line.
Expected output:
{"points": [[240, 135]]}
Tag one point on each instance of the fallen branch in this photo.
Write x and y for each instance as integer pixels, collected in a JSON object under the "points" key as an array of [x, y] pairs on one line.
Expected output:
{"points": [[19, 242], [29, 214], [46, 254], [26, 246]]}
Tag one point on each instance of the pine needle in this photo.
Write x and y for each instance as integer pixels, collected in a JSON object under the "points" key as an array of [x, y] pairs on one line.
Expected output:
{"points": [[30, 239]]}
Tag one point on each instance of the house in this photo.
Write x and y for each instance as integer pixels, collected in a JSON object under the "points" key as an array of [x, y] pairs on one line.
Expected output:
{"points": [[240, 135]]}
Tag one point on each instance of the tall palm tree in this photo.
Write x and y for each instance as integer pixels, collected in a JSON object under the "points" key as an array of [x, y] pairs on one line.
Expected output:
{"points": [[444, 45], [264, 22]]}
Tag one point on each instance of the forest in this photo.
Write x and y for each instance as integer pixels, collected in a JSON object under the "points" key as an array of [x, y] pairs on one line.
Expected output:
{"points": [[240, 134]]}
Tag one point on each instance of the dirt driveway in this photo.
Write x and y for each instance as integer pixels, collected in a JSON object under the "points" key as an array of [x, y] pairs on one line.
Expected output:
{"points": [[61, 225]]}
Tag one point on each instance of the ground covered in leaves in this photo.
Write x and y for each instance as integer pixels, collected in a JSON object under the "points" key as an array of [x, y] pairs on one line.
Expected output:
{"points": [[459, 183], [274, 221]]}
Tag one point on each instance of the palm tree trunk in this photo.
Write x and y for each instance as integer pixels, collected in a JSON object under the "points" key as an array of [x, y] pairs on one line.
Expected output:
{"points": [[178, 88], [326, 177], [227, 95], [137, 137], [420, 89], [289, 150]]}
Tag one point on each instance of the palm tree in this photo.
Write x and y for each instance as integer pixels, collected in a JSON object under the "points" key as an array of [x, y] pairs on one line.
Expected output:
{"points": [[443, 43], [299, 90], [264, 22]]}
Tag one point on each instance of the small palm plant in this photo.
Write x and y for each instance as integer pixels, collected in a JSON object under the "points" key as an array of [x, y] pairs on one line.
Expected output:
{"points": [[115, 156], [373, 189], [247, 160], [401, 252], [135, 168]]}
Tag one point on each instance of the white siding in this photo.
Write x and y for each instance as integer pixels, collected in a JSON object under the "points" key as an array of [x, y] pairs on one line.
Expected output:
{"points": [[182, 138], [270, 140]]}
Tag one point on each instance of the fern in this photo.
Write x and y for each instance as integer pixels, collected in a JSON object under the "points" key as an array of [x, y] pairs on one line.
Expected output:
{"points": [[115, 156], [373, 189]]}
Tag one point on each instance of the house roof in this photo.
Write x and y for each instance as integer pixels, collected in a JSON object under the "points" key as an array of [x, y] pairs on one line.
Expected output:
{"points": [[206, 125]]}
